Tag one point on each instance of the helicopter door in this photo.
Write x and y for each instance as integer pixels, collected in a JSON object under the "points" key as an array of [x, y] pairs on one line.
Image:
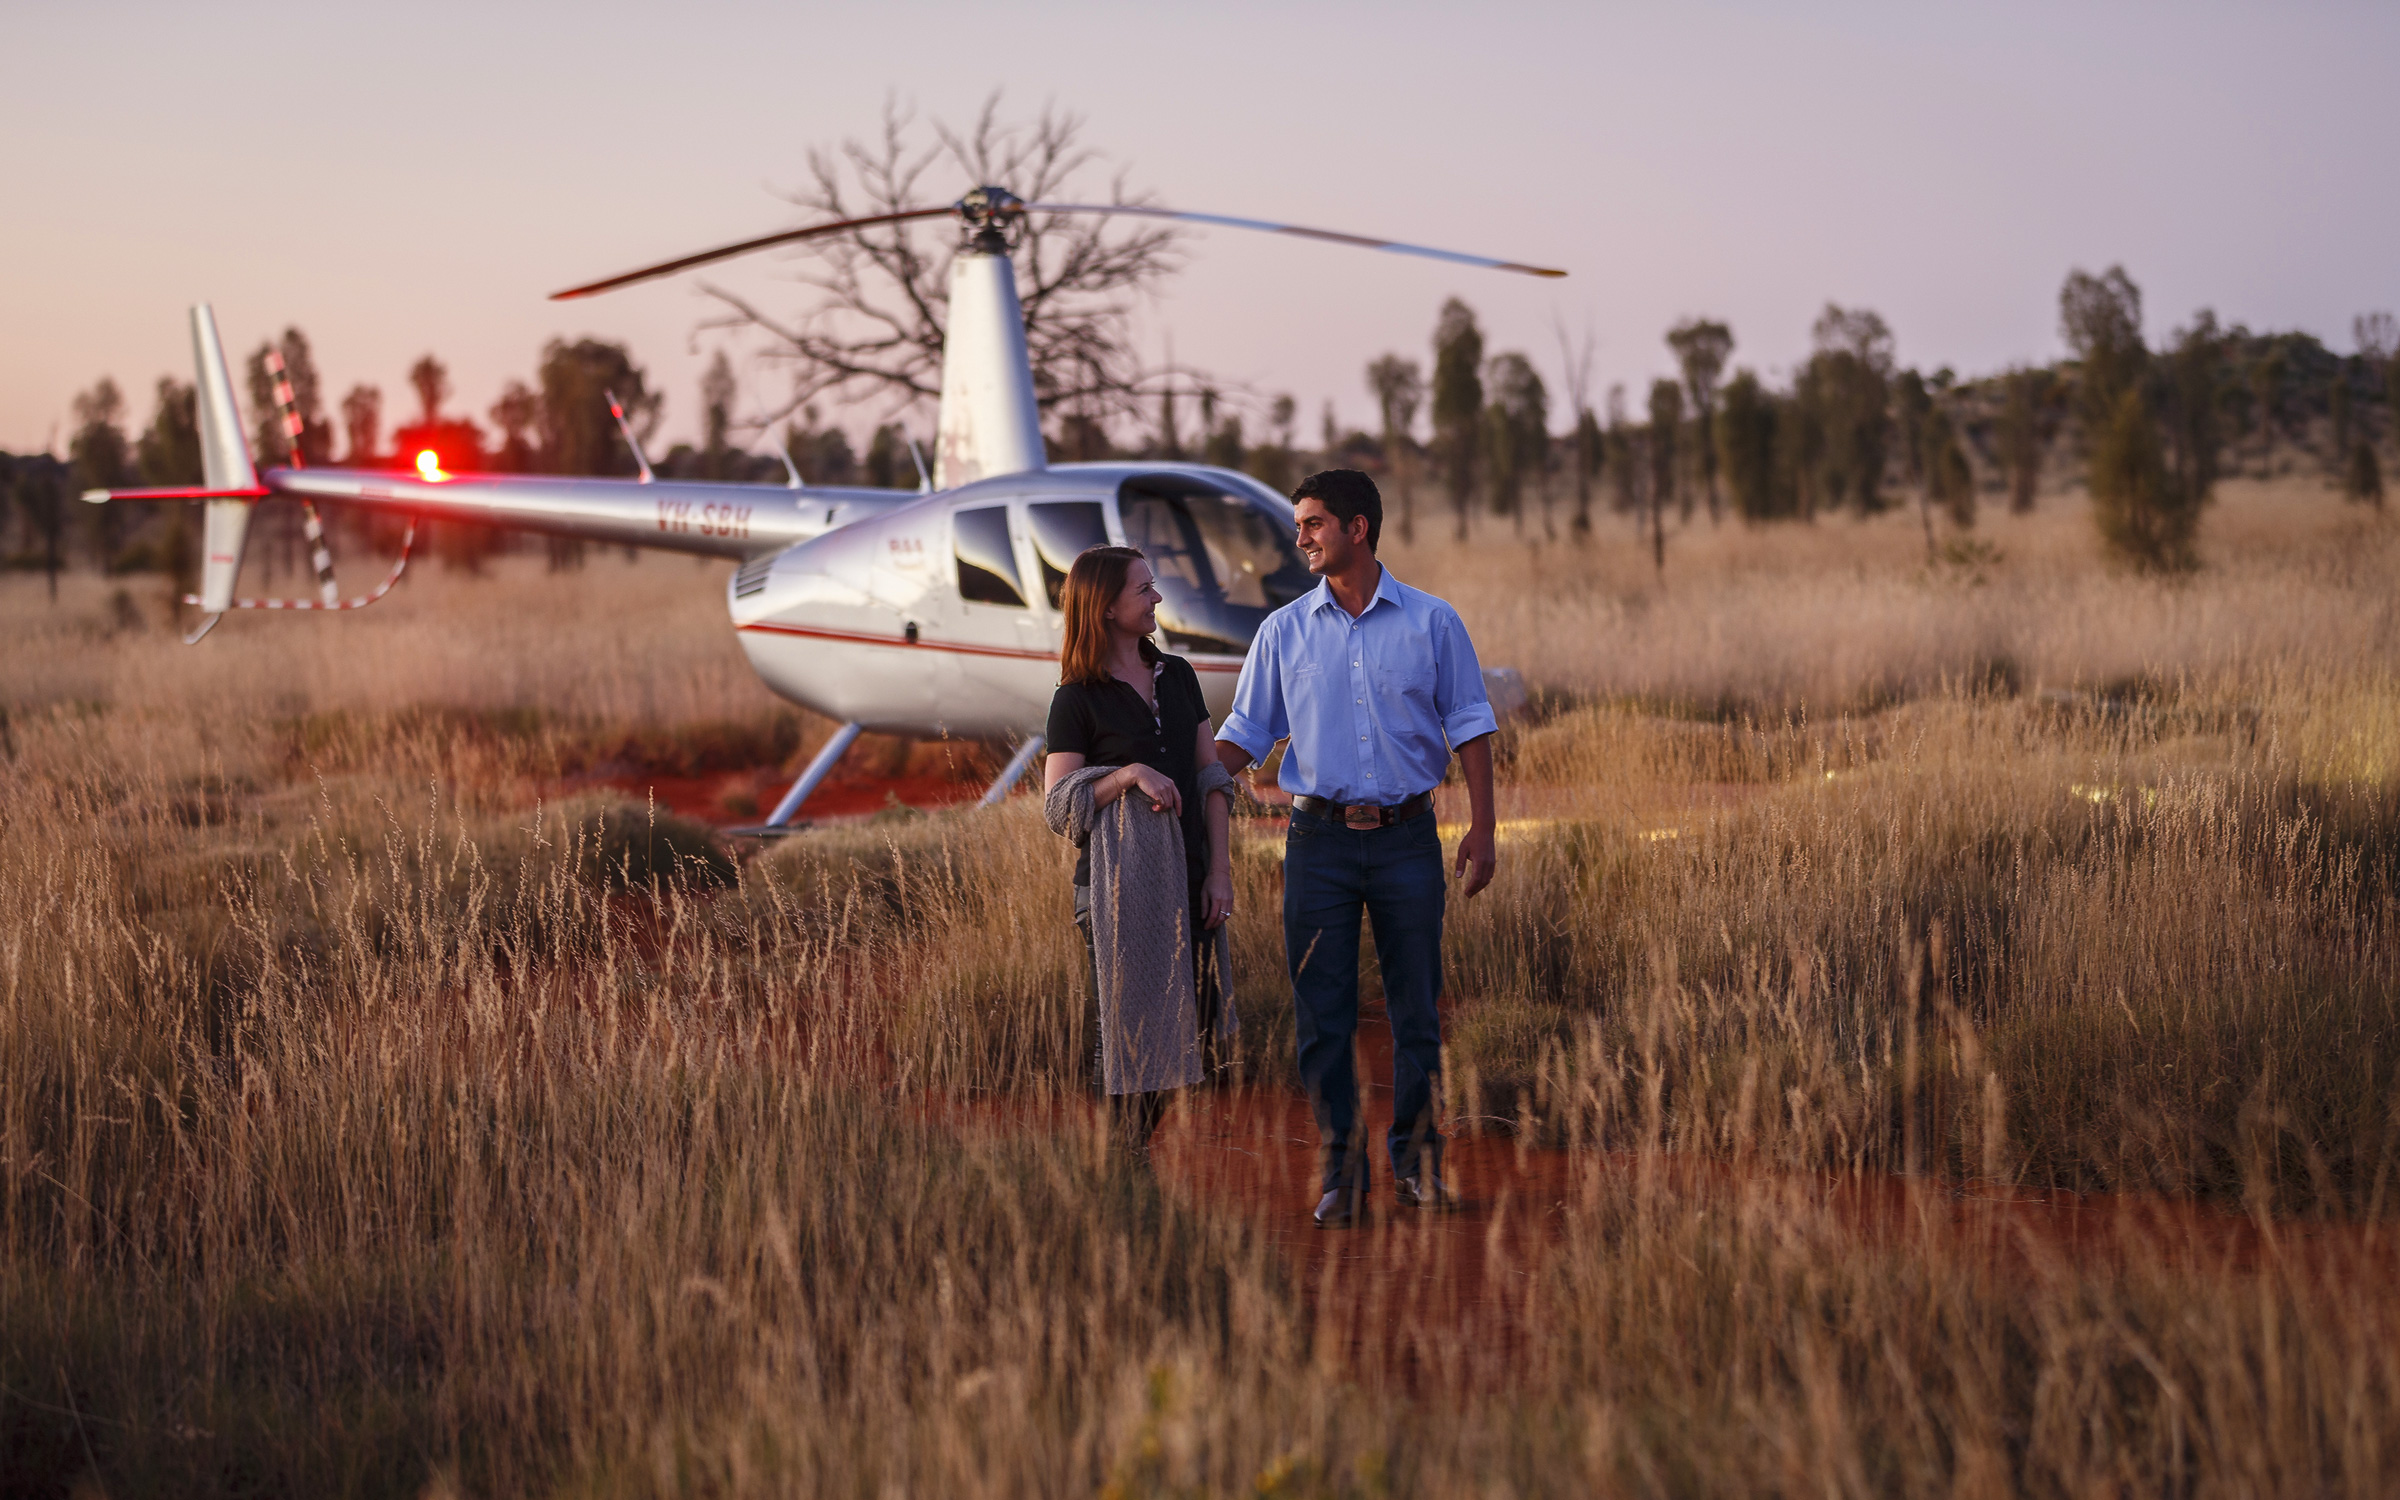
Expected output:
{"points": [[1002, 654], [1062, 530]]}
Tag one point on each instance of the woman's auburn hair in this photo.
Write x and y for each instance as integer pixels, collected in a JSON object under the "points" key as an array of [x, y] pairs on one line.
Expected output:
{"points": [[1094, 581]]}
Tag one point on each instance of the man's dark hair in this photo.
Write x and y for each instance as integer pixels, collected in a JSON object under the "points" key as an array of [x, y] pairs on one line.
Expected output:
{"points": [[1349, 495]]}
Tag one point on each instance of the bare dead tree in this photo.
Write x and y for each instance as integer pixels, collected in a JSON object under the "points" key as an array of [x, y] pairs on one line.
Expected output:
{"points": [[874, 332]]}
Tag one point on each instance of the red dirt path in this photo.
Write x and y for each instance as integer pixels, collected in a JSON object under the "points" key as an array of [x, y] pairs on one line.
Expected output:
{"points": [[1439, 1301]]}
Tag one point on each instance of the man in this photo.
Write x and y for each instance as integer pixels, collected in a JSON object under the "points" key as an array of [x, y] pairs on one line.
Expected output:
{"points": [[1376, 686]]}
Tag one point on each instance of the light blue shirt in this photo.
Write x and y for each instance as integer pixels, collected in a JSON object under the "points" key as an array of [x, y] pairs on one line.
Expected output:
{"points": [[1373, 706]]}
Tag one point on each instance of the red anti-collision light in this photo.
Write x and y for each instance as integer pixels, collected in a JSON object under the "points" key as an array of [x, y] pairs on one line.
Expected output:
{"points": [[429, 466]]}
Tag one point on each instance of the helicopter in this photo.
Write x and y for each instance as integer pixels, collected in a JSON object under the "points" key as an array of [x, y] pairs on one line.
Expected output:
{"points": [[927, 612]]}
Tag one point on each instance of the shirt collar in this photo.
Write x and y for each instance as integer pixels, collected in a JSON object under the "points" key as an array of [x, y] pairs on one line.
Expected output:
{"points": [[1386, 587]]}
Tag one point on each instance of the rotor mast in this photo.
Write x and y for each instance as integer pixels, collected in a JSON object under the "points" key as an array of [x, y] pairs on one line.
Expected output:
{"points": [[990, 422]]}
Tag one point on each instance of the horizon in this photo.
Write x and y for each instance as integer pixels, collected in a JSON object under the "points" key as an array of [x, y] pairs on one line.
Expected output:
{"points": [[1773, 166]]}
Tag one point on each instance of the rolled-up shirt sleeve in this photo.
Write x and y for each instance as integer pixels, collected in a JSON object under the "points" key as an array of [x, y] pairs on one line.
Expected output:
{"points": [[1257, 719], [1458, 692]]}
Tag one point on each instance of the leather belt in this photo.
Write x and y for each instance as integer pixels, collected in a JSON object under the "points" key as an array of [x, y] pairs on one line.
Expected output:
{"points": [[1364, 815]]}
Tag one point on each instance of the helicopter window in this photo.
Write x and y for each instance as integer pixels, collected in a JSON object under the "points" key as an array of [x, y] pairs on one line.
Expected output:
{"points": [[1224, 560], [1061, 532], [987, 562], [1251, 551]]}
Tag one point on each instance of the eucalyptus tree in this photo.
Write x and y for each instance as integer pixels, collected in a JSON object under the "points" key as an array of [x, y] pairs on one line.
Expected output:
{"points": [[169, 450], [2146, 498], [1666, 422], [1746, 445], [1457, 402], [1624, 471], [577, 381], [2377, 335], [362, 426], [1913, 406], [717, 391], [1949, 477], [515, 416], [1399, 389], [1701, 347], [101, 458], [2026, 424], [1516, 436], [1845, 392], [1589, 445], [430, 379]]}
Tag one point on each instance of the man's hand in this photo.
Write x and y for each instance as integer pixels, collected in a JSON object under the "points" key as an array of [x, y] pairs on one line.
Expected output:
{"points": [[1476, 854], [1476, 858]]}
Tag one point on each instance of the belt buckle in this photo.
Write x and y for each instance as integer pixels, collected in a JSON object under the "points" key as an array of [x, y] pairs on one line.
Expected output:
{"points": [[1362, 816]]}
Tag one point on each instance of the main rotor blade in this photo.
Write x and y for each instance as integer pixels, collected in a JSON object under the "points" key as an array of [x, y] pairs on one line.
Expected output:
{"points": [[666, 268], [1333, 236]]}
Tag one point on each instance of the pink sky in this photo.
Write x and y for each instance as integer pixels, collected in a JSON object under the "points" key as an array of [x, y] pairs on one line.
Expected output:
{"points": [[396, 180]]}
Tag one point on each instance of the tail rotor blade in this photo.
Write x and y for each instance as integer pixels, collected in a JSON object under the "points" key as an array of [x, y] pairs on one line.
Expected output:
{"points": [[1360, 241], [725, 252]]}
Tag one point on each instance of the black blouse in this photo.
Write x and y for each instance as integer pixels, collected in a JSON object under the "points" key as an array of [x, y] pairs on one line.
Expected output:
{"points": [[1108, 724]]}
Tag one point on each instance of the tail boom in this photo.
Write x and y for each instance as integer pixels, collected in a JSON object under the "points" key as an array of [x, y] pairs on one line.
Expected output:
{"points": [[714, 520], [175, 492]]}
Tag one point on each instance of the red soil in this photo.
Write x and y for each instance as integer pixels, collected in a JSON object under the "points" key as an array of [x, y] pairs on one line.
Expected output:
{"points": [[1442, 1302], [736, 798], [1443, 1297]]}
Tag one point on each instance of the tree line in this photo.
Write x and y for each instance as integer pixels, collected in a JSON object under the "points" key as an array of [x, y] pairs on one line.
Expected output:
{"points": [[557, 423], [2146, 432]]}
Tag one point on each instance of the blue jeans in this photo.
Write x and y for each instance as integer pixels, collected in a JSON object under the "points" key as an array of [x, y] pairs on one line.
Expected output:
{"points": [[1330, 874]]}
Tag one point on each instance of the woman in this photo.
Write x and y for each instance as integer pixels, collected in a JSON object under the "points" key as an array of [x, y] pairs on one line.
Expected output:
{"points": [[1132, 777]]}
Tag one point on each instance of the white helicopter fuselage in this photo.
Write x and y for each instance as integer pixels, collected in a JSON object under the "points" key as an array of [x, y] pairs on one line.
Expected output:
{"points": [[910, 613], [942, 616]]}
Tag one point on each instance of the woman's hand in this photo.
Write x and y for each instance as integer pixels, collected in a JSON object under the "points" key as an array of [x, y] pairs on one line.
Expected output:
{"points": [[1216, 899], [1158, 786]]}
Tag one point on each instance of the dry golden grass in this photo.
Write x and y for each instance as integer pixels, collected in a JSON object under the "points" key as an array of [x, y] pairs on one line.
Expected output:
{"points": [[367, 1128], [1846, 615]]}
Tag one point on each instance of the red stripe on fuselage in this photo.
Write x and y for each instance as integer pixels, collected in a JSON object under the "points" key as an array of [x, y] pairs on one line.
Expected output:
{"points": [[1013, 653]]}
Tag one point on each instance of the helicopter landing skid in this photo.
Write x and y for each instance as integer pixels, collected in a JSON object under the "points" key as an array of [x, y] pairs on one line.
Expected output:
{"points": [[1014, 771], [779, 823], [767, 832]]}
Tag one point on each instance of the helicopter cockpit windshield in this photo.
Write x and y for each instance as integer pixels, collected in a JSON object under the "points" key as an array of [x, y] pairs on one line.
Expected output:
{"points": [[1224, 559]]}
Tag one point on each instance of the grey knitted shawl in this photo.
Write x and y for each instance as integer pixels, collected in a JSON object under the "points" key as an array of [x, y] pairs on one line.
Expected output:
{"points": [[1141, 933]]}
